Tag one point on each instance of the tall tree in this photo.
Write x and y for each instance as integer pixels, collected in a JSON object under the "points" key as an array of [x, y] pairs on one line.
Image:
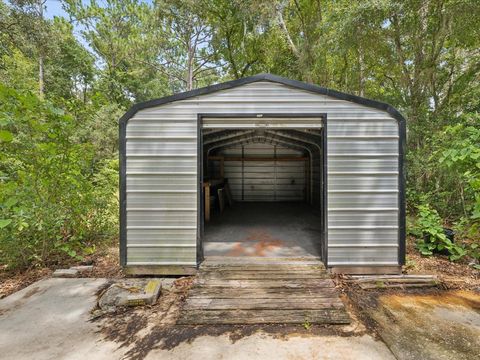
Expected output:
{"points": [[239, 36], [188, 56]]}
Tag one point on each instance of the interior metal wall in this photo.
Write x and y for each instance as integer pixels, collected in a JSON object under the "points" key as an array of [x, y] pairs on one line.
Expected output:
{"points": [[161, 173], [266, 180]]}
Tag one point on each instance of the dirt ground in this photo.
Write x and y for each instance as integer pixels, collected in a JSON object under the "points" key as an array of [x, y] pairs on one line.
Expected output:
{"points": [[105, 265], [454, 275]]}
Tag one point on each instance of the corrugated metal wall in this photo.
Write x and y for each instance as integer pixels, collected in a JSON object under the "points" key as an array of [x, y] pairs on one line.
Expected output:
{"points": [[270, 180], [161, 152]]}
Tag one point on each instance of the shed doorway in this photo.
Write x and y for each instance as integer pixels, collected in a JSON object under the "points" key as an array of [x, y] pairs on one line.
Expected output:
{"points": [[263, 186]]}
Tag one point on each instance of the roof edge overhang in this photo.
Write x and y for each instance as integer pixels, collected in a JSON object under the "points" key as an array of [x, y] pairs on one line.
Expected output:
{"points": [[264, 77]]}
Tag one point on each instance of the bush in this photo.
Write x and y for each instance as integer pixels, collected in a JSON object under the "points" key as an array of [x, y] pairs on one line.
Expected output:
{"points": [[53, 202], [431, 235], [463, 158]]}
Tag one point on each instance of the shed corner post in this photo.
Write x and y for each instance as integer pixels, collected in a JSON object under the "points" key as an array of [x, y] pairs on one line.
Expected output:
{"points": [[200, 191], [123, 187], [402, 146], [325, 190]]}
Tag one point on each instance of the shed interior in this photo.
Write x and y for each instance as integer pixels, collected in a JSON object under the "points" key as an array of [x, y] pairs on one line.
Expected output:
{"points": [[263, 192]]}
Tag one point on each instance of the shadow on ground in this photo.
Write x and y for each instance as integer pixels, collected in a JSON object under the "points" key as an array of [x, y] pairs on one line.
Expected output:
{"points": [[143, 330]]}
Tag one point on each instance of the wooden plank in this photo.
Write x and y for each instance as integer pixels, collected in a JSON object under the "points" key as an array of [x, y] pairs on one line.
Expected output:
{"points": [[261, 304], [330, 316], [207, 202], [264, 272], [214, 182], [262, 267], [262, 292], [251, 275], [293, 284], [393, 279], [265, 293], [399, 280]]}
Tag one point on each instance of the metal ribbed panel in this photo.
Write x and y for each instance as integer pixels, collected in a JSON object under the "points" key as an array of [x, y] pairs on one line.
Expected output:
{"points": [[160, 138], [162, 164], [174, 254], [161, 237], [154, 182], [360, 256], [380, 218], [265, 180], [171, 200], [360, 200], [341, 237], [348, 163], [149, 218], [342, 180], [161, 146], [348, 146], [341, 127]]}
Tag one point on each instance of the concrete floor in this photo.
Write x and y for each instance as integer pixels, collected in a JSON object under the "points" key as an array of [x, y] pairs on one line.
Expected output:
{"points": [[268, 229]]}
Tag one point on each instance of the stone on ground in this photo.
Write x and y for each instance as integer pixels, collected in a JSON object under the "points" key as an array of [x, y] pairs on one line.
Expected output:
{"points": [[83, 268], [65, 273], [130, 292]]}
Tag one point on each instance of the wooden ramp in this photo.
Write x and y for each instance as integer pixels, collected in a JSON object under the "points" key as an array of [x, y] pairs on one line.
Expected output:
{"points": [[263, 291]]}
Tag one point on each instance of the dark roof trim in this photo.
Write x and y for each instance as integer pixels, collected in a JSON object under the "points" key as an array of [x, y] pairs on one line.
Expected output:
{"points": [[264, 77]]}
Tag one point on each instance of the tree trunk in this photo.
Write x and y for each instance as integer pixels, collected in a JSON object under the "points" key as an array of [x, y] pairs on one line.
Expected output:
{"points": [[41, 83], [361, 74], [41, 73], [190, 64]]}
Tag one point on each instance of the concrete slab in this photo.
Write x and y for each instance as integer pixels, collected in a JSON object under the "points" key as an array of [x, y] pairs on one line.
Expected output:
{"points": [[437, 326], [65, 273], [49, 320], [83, 268], [261, 346]]}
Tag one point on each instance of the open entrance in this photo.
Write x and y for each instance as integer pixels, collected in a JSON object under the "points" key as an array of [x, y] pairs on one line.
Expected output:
{"points": [[263, 186]]}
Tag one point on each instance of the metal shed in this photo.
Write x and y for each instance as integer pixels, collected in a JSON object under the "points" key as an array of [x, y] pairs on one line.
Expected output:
{"points": [[333, 162]]}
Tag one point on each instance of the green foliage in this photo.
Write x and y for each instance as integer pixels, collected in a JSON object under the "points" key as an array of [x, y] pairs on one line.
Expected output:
{"points": [[463, 158], [52, 202], [57, 173], [431, 236], [307, 325]]}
